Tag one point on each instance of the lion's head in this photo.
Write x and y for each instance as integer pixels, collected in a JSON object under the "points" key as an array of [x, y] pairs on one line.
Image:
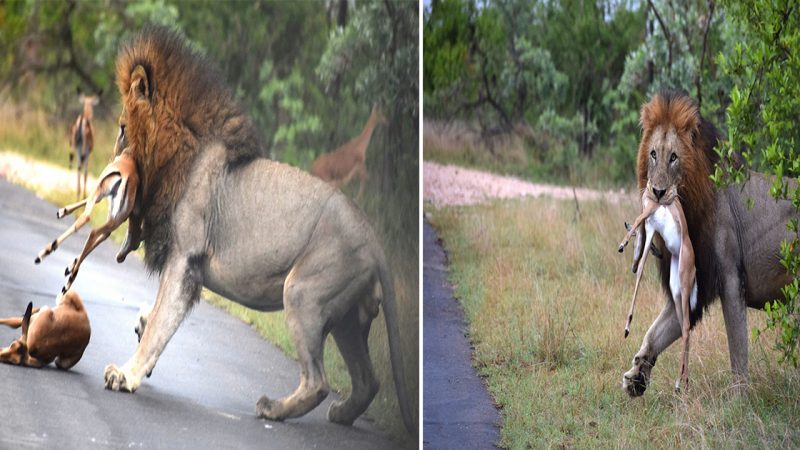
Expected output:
{"points": [[676, 157], [670, 162], [173, 103]]}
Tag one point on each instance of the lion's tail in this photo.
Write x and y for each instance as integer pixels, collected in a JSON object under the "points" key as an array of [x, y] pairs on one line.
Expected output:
{"points": [[395, 352]]}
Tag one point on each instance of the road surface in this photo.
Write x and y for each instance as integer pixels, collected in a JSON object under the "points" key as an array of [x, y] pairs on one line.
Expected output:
{"points": [[458, 411], [203, 391]]}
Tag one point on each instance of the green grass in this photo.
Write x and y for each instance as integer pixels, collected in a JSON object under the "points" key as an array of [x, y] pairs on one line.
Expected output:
{"points": [[546, 299], [36, 134]]}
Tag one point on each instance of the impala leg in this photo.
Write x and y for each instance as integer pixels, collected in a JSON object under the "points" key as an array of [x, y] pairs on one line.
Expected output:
{"points": [[53, 246], [649, 207], [362, 176], [69, 209], [96, 237], [639, 273], [688, 281], [85, 172], [78, 184]]}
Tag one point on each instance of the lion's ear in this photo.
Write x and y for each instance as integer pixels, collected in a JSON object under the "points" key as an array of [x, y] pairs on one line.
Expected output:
{"points": [[688, 120], [646, 116], [140, 85]]}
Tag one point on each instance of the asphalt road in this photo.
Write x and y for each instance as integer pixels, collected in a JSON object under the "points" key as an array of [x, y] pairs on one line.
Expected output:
{"points": [[203, 391], [458, 411]]}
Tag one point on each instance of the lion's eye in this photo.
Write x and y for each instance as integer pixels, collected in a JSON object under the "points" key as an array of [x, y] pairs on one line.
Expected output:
{"points": [[653, 154], [673, 157]]}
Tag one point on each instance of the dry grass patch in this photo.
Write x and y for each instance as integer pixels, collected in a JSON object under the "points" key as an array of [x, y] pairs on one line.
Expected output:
{"points": [[458, 143], [35, 133], [546, 299]]}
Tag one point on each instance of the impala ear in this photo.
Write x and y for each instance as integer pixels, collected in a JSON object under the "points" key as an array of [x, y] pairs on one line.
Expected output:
{"points": [[140, 85]]}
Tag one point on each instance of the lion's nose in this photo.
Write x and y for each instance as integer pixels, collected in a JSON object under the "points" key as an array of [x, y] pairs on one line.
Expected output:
{"points": [[659, 193]]}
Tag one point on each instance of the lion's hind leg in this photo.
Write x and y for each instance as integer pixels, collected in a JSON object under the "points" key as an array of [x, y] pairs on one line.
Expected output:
{"points": [[315, 301], [351, 336], [306, 330], [304, 317]]}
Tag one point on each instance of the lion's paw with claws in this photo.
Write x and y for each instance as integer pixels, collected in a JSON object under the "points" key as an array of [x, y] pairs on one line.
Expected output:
{"points": [[117, 379], [266, 408]]}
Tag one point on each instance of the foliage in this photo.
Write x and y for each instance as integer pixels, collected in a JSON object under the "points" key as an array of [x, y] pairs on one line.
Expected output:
{"points": [[763, 132], [504, 62], [676, 53], [485, 63], [557, 141]]}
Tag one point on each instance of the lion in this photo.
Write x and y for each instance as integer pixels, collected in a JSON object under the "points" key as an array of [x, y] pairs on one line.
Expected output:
{"points": [[216, 213], [737, 249]]}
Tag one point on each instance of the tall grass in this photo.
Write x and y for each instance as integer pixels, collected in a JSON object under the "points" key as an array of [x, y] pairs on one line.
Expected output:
{"points": [[523, 152], [43, 137], [546, 300]]}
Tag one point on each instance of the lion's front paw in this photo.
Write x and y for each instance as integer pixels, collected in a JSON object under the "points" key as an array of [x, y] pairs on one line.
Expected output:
{"points": [[267, 409], [118, 380], [634, 384]]}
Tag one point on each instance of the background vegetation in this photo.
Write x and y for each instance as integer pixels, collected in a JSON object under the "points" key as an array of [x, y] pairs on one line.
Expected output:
{"points": [[552, 90], [763, 132], [308, 73]]}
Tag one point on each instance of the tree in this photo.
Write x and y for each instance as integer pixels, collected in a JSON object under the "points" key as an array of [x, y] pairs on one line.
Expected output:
{"points": [[60, 45], [762, 126], [483, 62], [508, 61], [374, 60], [676, 53]]}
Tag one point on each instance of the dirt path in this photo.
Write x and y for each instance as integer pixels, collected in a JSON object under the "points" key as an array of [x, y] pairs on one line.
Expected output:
{"points": [[445, 185]]}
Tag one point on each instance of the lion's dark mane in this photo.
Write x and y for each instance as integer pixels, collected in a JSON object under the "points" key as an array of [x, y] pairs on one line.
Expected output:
{"points": [[193, 107], [676, 109]]}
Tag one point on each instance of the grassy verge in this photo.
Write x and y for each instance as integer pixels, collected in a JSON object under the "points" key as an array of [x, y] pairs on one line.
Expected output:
{"points": [[546, 300], [35, 134]]}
